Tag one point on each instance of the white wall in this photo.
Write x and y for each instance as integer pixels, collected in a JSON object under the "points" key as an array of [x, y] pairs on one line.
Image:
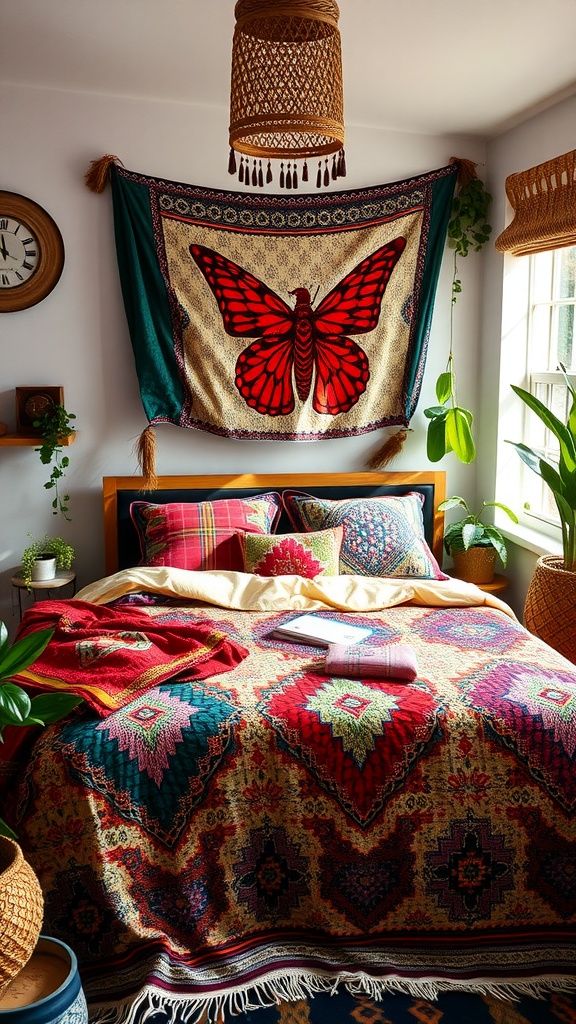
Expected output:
{"points": [[78, 337], [540, 138]]}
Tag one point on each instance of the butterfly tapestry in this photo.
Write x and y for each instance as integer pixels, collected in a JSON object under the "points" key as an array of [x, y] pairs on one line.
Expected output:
{"points": [[279, 317], [302, 340]]}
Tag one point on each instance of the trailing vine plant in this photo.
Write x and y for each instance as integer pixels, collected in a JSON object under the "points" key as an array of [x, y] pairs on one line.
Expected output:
{"points": [[450, 425], [54, 426]]}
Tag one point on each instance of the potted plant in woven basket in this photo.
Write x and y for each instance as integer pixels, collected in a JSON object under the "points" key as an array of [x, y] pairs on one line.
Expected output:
{"points": [[550, 608], [21, 901], [472, 544]]}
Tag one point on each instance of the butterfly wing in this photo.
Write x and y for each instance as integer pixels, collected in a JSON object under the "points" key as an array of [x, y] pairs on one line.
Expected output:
{"points": [[249, 309], [342, 374], [264, 376], [353, 306]]}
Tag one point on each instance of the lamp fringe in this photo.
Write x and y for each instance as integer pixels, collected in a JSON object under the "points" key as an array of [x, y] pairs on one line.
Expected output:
{"points": [[389, 450], [98, 174], [145, 450]]}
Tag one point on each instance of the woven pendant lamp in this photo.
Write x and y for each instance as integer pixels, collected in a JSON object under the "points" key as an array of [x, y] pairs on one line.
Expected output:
{"points": [[286, 101]]}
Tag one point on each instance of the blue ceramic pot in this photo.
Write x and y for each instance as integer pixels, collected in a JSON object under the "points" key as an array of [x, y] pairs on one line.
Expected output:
{"points": [[65, 1004]]}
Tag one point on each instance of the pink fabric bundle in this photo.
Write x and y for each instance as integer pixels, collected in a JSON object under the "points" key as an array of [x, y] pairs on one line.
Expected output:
{"points": [[392, 661]]}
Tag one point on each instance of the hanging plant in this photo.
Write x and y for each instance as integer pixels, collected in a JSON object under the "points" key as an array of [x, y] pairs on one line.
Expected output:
{"points": [[54, 425], [450, 425]]}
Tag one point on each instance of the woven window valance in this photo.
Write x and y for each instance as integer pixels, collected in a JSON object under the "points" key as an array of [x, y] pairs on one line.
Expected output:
{"points": [[544, 202]]}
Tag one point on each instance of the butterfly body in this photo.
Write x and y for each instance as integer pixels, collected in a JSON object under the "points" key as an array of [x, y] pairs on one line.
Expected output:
{"points": [[298, 342]]}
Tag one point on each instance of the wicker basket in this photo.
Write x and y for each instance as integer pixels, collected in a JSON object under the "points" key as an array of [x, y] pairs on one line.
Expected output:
{"points": [[476, 565], [21, 911], [550, 609]]}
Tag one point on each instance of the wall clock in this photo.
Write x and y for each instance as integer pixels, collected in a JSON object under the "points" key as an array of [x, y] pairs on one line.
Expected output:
{"points": [[31, 252]]}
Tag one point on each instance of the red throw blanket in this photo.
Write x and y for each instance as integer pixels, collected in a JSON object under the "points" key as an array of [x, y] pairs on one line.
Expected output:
{"points": [[110, 655]]}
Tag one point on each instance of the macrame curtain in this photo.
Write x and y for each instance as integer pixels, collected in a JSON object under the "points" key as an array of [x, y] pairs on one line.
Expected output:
{"points": [[544, 202]]}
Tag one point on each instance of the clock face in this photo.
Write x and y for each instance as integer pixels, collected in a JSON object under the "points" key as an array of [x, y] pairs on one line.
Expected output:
{"points": [[19, 252], [36, 405], [31, 252]]}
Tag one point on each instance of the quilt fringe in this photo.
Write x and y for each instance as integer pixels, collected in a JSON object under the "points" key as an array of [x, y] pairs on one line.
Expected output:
{"points": [[292, 986]]}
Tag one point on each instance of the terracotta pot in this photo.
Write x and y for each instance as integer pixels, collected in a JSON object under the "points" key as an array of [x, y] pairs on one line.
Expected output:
{"points": [[550, 608], [21, 911], [476, 565]]}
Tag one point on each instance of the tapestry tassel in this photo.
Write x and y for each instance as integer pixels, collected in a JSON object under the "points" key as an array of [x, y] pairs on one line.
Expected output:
{"points": [[389, 450], [466, 170], [146, 454], [232, 162], [98, 174]]}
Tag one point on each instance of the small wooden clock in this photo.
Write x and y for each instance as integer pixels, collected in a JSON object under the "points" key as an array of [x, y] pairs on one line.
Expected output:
{"points": [[31, 252]]}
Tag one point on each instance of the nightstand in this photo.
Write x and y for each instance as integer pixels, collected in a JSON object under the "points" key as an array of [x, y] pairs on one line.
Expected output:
{"points": [[61, 579], [498, 584]]}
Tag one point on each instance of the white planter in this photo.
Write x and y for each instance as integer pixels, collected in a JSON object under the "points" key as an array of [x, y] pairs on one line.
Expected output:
{"points": [[44, 568]]}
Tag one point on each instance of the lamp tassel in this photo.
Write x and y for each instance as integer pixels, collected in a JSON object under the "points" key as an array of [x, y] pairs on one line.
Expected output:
{"points": [[389, 450], [305, 171], [319, 175], [241, 171], [260, 175], [268, 173], [281, 175], [145, 449], [232, 162], [98, 174]]}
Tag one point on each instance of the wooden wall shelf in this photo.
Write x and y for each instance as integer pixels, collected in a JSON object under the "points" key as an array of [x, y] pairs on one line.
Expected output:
{"points": [[23, 439]]}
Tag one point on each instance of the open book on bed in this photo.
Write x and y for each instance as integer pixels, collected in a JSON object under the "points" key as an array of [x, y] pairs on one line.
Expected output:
{"points": [[315, 629]]}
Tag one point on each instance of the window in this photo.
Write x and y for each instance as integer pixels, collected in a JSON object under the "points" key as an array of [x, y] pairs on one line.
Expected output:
{"points": [[539, 306]]}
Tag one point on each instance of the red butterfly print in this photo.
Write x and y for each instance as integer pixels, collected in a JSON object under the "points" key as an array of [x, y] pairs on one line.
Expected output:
{"points": [[300, 339]]}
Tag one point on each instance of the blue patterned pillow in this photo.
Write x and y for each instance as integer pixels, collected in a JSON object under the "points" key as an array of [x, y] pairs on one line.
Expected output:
{"points": [[383, 536]]}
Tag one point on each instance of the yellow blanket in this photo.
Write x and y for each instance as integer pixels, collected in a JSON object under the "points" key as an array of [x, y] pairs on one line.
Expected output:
{"points": [[248, 592]]}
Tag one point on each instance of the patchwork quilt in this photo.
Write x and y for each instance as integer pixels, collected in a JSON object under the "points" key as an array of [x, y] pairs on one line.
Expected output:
{"points": [[271, 831]]}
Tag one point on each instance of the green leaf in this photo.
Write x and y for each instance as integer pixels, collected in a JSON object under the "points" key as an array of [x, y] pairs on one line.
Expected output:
{"points": [[5, 830], [436, 439], [435, 410], [14, 704], [23, 652], [459, 435], [49, 707], [471, 534], [498, 504], [452, 503], [566, 439], [528, 456], [444, 387]]}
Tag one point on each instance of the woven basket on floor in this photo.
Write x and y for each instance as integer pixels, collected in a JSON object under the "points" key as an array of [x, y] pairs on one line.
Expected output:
{"points": [[550, 609], [21, 911]]}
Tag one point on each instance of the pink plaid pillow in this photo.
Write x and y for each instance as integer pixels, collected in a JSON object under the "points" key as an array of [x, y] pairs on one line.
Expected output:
{"points": [[204, 534], [300, 554]]}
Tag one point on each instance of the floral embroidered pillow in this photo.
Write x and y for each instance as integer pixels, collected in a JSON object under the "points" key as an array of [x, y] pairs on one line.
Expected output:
{"points": [[204, 534], [383, 536], [300, 554]]}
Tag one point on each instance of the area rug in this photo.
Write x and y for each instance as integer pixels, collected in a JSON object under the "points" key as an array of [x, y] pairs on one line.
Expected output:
{"points": [[449, 1008]]}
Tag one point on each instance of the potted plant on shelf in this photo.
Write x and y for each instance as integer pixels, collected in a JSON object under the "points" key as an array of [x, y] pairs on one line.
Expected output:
{"points": [[450, 425], [21, 901], [54, 426], [472, 544], [550, 608], [43, 557]]}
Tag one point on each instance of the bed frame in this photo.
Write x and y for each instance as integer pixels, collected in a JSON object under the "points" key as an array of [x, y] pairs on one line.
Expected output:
{"points": [[121, 542]]}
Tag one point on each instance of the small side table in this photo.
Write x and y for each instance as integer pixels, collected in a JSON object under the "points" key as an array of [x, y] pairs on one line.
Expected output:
{"points": [[61, 579], [498, 584]]}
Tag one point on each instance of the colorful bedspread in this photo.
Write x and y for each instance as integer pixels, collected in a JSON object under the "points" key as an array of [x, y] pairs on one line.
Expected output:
{"points": [[278, 831]]}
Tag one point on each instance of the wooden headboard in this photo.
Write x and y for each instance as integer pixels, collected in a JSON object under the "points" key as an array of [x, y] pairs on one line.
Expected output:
{"points": [[121, 542]]}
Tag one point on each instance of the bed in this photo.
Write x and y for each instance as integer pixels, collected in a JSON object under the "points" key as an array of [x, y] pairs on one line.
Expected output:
{"points": [[224, 822]]}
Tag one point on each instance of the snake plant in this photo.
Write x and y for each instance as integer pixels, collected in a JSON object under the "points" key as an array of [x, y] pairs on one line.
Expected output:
{"points": [[560, 478]]}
